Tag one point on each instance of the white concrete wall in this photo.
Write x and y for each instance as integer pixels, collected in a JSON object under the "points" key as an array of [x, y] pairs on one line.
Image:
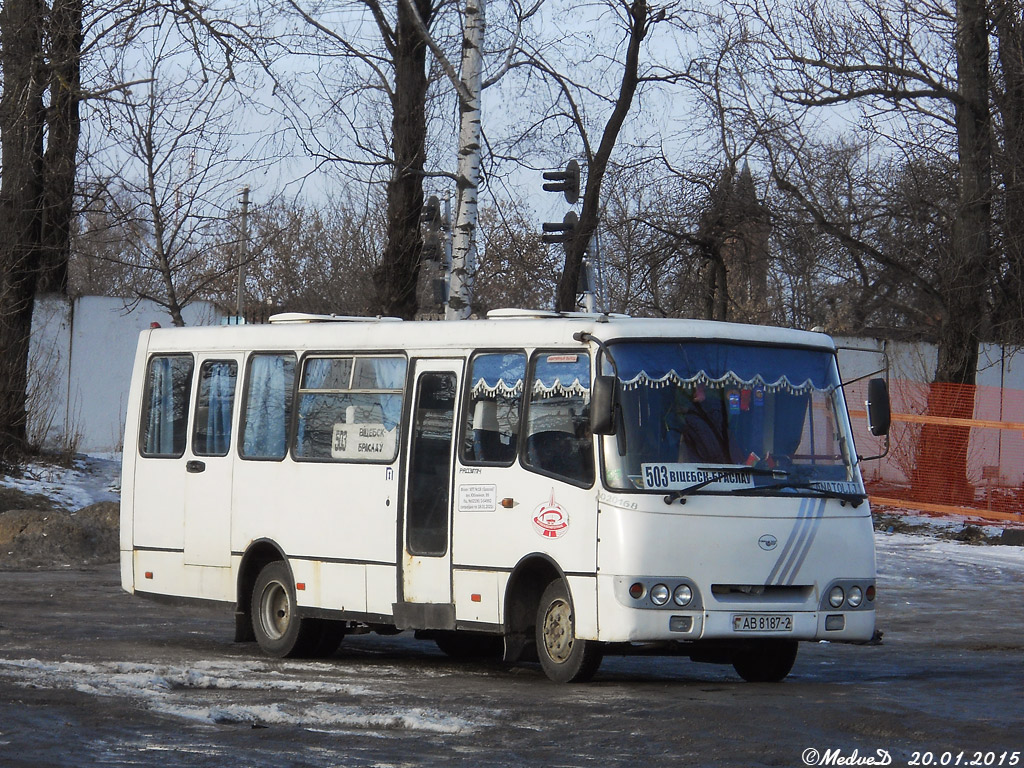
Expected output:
{"points": [[916, 361], [80, 362], [994, 453]]}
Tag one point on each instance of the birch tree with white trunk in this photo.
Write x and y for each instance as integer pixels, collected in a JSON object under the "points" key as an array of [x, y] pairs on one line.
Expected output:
{"points": [[464, 256], [469, 85]]}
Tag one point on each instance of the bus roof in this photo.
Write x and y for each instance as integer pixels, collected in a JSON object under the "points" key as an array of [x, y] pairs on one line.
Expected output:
{"points": [[508, 329]]}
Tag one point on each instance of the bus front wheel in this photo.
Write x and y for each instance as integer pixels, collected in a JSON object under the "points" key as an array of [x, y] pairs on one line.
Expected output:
{"points": [[564, 657], [279, 629], [765, 661]]}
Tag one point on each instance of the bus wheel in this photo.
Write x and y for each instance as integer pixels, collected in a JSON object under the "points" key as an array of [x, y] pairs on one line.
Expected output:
{"points": [[564, 657], [279, 630], [765, 661]]}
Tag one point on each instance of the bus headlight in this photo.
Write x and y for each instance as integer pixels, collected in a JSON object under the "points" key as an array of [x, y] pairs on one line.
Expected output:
{"points": [[683, 595], [855, 597], [835, 597], [659, 594]]}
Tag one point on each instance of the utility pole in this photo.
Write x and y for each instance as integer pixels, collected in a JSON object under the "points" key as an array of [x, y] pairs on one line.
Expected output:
{"points": [[243, 254]]}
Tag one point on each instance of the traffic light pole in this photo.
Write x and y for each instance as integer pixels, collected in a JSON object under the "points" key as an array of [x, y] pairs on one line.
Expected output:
{"points": [[568, 183]]}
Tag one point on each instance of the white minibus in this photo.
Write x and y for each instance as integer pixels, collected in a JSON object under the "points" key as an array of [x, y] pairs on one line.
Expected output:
{"points": [[532, 486]]}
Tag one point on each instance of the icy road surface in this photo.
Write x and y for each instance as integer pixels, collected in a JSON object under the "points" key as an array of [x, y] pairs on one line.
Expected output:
{"points": [[90, 676]]}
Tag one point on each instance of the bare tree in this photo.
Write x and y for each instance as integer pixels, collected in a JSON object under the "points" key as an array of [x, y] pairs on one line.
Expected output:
{"points": [[378, 49], [515, 269], [44, 50], [636, 18], [1008, 98], [317, 259], [178, 162], [914, 88], [21, 202]]}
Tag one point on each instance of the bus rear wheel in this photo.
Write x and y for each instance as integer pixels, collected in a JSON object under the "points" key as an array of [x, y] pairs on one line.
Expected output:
{"points": [[279, 629], [564, 657], [765, 661]]}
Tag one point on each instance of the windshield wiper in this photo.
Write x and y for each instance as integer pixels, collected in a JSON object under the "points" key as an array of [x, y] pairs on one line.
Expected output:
{"points": [[855, 499], [682, 493]]}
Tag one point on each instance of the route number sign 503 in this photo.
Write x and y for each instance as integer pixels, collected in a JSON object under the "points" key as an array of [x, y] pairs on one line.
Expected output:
{"points": [[656, 476]]}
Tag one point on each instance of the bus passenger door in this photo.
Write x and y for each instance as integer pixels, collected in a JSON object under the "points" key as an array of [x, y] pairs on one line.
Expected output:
{"points": [[209, 462], [426, 594]]}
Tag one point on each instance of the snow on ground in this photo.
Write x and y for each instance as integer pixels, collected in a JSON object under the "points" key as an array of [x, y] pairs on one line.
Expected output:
{"points": [[90, 480], [900, 554], [159, 688]]}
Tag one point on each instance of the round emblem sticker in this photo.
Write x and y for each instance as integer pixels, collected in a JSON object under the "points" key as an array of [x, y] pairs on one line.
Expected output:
{"points": [[550, 519]]}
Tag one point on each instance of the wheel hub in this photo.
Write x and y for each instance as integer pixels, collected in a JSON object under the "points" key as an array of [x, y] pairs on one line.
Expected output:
{"points": [[558, 631], [275, 610]]}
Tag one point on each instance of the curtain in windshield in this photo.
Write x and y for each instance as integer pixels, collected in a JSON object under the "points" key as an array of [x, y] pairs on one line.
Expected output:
{"points": [[718, 366], [721, 404]]}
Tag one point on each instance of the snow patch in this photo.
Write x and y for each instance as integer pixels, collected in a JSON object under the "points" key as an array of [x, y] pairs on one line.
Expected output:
{"points": [[952, 562], [90, 480], [179, 691]]}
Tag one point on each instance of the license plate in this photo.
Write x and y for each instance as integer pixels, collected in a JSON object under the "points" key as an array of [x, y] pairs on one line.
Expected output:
{"points": [[762, 622]]}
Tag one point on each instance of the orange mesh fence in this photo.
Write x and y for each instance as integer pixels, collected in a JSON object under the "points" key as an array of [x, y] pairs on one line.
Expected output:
{"points": [[954, 449]]}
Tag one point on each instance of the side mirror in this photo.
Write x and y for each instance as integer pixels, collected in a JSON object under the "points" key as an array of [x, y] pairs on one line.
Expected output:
{"points": [[879, 415], [604, 399]]}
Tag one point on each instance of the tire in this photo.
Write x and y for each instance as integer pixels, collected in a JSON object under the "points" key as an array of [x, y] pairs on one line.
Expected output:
{"points": [[765, 661], [564, 657], [279, 630], [470, 645]]}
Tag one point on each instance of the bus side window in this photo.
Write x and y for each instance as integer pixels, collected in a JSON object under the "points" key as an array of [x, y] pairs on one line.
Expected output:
{"points": [[165, 406], [558, 439], [215, 400], [491, 428], [349, 408], [268, 406]]}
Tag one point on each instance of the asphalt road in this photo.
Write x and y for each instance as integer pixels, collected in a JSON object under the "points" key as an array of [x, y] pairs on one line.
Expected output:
{"points": [[90, 676]]}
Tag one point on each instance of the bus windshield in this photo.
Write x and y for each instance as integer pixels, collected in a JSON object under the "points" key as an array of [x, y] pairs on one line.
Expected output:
{"points": [[703, 416]]}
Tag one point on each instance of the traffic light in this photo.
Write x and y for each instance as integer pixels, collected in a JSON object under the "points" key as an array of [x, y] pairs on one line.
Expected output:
{"points": [[567, 182], [430, 216], [561, 233], [432, 250]]}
